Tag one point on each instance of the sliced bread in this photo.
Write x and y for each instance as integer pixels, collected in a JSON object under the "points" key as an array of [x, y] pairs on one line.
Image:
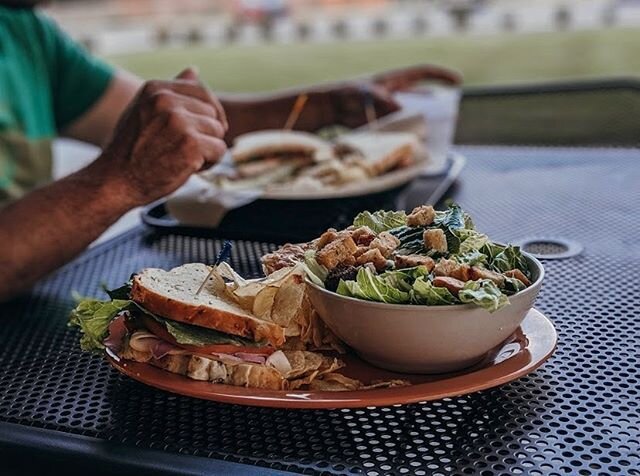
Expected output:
{"points": [[172, 294], [207, 369], [380, 152], [273, 142]]}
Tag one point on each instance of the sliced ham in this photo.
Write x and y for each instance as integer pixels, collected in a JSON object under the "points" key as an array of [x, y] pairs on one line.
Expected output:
{"points": [[255, 358], [117, 330]]}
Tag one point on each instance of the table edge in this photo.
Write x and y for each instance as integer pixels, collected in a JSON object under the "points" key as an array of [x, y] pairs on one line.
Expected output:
{"points": [[77, 450]]}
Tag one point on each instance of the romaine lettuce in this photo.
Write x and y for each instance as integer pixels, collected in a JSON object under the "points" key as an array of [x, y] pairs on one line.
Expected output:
{"points": [[374, 288], [381, 220], [483, 293], [315, 271], [452, 218], [188, 334], [350, 289], [473, 258], [513, 285], [424, 292], [470, 240], [510, 258], [411, 240], [93, 316], [402, 279]]}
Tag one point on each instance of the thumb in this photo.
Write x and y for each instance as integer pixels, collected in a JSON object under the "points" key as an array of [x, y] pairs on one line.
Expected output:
{"points": [[190, 74]]}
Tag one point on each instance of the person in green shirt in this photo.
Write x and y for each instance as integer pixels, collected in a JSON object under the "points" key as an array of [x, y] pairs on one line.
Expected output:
{"points": [[154, 135]]}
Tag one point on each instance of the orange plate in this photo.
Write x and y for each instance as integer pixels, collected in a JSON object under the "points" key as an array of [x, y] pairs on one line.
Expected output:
{"points": [[526, 350]]}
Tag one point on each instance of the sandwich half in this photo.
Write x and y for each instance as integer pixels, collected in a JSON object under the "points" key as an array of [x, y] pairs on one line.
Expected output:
{"points": [[379, 152], [232, 332], [269, 151]]}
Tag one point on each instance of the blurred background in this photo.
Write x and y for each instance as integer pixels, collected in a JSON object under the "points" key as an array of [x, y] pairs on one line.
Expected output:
{"points": [[540, 73], [256, 45]]}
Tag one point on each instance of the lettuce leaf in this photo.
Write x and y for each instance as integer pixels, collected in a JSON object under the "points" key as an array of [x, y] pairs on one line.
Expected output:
{"points": [[372, 287], [473, 258], [510, 258], [411, 240], [188, 334], [376, 289], [452, 221], [424, 292], [513, 285], [123, 292], [470, 240], [381, 220], [452, 218], [350, 289], [93, 316], [403, 279], [483, 293], [315, 271], [491, 250]]}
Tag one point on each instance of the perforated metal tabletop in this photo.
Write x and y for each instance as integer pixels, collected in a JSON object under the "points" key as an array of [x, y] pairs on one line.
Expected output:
{"points": [[578, 414]]}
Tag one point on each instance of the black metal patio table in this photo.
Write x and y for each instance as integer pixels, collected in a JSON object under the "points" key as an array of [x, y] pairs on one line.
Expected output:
{"points": [[577, 414]]}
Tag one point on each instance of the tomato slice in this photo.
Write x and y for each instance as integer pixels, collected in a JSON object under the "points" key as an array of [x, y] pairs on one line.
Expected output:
{"points": [[158, 329]]}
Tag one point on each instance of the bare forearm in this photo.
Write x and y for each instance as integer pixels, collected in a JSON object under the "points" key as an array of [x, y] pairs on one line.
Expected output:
{"points": [[248, 113], [53, 224]]}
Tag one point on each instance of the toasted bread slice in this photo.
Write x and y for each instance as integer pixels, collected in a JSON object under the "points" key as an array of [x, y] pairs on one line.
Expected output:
{"points": [[172, 294], [379, 152], [208, 369], [274, 142]]}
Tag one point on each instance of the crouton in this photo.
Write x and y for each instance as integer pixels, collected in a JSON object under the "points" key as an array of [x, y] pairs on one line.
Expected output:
{"points": [[452, 284], [361, 250], [375, 257], [519, 275], [349, 261], [482, 273], [327, 237], [435, 239], [421, 216], [386, 243], [336, 252], [409, 261], [363, 235], [449, 267]]}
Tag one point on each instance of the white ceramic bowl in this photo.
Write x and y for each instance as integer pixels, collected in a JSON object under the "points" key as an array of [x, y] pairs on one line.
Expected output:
{"points": [[423, 339]]}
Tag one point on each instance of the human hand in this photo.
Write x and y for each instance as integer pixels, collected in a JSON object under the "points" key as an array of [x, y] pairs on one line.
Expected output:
{"points": [[349, 99], [171, 130]]}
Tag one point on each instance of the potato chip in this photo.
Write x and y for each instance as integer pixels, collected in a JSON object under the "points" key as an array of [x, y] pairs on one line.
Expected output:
{"points": [[226, 271], [295, 384], [304, 362], [293, 343], [386, 384], [263, 302], [288, 300], [335, 382], [217, 286], [292, 330]]}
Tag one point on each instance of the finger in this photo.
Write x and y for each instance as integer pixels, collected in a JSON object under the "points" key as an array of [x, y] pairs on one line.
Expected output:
{"points": [[193, 89], [212, 149], [166, 99], [206, 125], [222, 114], [189, 74], [200, 92]]}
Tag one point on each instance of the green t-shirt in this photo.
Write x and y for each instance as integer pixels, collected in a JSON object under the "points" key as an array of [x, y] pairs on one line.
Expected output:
{"points": [[46, 82]]}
